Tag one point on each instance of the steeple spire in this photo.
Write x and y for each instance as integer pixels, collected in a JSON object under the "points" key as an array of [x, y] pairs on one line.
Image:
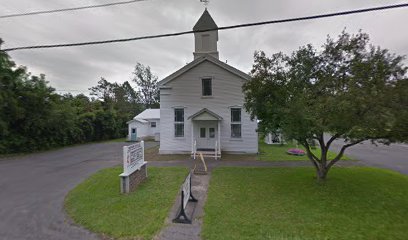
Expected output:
{"points": [[206, 42]]}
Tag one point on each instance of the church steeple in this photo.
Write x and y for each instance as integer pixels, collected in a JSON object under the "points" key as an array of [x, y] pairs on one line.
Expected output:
{"points": [[205, 42]]}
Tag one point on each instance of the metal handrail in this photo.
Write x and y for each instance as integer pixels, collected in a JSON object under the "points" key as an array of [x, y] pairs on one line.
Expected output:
{"points": [[194, 149], [216, 149]]}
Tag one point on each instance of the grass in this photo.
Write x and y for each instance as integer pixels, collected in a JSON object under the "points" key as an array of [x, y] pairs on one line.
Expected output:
{"points": [[98, 205], [152, 154], [12, 155], [116, 140], [288, 203], [277, 152], [267, 153]]}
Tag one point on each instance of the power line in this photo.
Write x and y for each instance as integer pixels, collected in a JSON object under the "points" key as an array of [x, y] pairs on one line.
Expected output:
{"points": [[68, 9], [213, 29], [70, 90]]}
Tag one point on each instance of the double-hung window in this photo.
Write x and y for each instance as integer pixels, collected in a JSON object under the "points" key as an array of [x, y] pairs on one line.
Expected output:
{"points": [[179, 122], [236, 123], [206, 87]]}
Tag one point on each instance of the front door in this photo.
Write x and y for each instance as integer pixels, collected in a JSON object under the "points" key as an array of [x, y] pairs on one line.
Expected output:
{"points": [[206, 132], [133, 135]]}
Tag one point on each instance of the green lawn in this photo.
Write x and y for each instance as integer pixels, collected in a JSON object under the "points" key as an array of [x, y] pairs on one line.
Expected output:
{"points": [[117, 140], [288, 203], [267, 153], [11, 155], [98, 205], [276, 152]]}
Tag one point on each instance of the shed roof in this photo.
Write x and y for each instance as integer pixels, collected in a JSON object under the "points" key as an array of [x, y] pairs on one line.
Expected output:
{"points": [[149, 114], [137, 120]]}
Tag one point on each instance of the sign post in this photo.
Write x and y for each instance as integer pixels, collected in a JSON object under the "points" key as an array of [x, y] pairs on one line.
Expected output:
{"points": [[186, 196], [134, 167]]}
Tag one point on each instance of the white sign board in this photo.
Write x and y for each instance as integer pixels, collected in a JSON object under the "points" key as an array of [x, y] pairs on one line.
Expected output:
{"points": [[186, 190], [133, 157]]}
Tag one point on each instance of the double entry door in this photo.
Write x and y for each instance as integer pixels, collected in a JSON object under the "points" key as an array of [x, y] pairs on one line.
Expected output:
{"points": [[206, 132]]}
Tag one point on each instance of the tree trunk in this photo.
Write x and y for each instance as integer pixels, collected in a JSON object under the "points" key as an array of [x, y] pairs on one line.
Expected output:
{"points": [[321, 173], [322, 164]]}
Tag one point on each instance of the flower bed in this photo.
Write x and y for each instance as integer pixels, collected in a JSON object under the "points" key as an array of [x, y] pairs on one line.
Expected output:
{"points": [[295, 151]]}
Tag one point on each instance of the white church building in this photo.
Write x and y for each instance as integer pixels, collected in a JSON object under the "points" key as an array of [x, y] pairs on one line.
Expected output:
{"points": [[201, 104]]}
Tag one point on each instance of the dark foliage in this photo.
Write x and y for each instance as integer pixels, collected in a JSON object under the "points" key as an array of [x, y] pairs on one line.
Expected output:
{"points": [[34, 117]]}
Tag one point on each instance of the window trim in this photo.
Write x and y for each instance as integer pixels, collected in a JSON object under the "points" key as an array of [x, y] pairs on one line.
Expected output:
{"points": [[202, 86], [235, 123], [209, 132], [201, 132], [179, 123]]}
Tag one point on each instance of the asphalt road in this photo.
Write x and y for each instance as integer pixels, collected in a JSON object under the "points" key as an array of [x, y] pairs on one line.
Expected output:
{"points": [[394, 156], [33, 187]]}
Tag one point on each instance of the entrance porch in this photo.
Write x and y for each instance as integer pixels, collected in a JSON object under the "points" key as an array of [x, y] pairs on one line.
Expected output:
{"points": [[206, 134]]}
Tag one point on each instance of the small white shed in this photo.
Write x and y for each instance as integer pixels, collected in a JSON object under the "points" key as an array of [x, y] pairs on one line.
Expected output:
{"points": [[145, 125]]}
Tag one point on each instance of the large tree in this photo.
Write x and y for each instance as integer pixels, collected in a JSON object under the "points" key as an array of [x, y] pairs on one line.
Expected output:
{"points": [[147, 85], [349, 89]]}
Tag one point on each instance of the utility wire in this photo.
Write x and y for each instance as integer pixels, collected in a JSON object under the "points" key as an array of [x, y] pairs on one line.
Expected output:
{"points": [[213, 29], [68, 9], [70, 90]]}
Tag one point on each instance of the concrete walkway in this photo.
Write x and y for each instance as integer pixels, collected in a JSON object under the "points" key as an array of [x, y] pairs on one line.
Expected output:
{"points": [[194, 210], [200, 183]]}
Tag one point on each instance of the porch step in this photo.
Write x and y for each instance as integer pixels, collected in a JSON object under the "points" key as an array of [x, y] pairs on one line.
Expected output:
{"points": [[207, 154]]}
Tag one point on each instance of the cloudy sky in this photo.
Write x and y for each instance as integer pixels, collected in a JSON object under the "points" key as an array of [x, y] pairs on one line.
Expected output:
{"points": [[78, 68]]}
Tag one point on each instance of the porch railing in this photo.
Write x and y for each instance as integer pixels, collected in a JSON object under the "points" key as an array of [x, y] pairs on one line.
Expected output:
{"points": [[194, 149], [216, 150]]}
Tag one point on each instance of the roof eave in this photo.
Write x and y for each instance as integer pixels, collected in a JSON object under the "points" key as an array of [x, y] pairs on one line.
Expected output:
{"points": [[199, 60]]}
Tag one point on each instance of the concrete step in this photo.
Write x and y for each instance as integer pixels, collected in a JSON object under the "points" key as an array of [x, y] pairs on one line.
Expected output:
{"points": [[208, 155]]}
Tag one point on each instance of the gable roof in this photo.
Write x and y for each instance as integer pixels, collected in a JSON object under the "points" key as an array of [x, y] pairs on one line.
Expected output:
{"points": [[200, 60], [137, 120], [205, 22], [203, 111], [148, 114]]}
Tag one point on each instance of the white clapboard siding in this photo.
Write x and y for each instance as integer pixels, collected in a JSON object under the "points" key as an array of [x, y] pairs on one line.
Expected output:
{"points": [[152, 131], [142, 129], [185, 91]]}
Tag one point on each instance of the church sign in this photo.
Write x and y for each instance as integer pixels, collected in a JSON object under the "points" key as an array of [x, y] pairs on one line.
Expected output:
{"points": [[134, 167], [133, 157]]}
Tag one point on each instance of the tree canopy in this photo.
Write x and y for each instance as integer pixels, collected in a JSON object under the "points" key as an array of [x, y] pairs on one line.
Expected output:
{"points": [[350, 89], [147, 85], [34, 117]]}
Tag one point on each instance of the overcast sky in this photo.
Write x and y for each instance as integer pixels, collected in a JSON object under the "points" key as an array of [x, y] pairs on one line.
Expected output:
{"points": [[78, 68]]}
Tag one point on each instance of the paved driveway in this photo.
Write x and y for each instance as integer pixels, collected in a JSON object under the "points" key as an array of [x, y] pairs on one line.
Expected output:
{"points": [[394, 156], [33, 187]]}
